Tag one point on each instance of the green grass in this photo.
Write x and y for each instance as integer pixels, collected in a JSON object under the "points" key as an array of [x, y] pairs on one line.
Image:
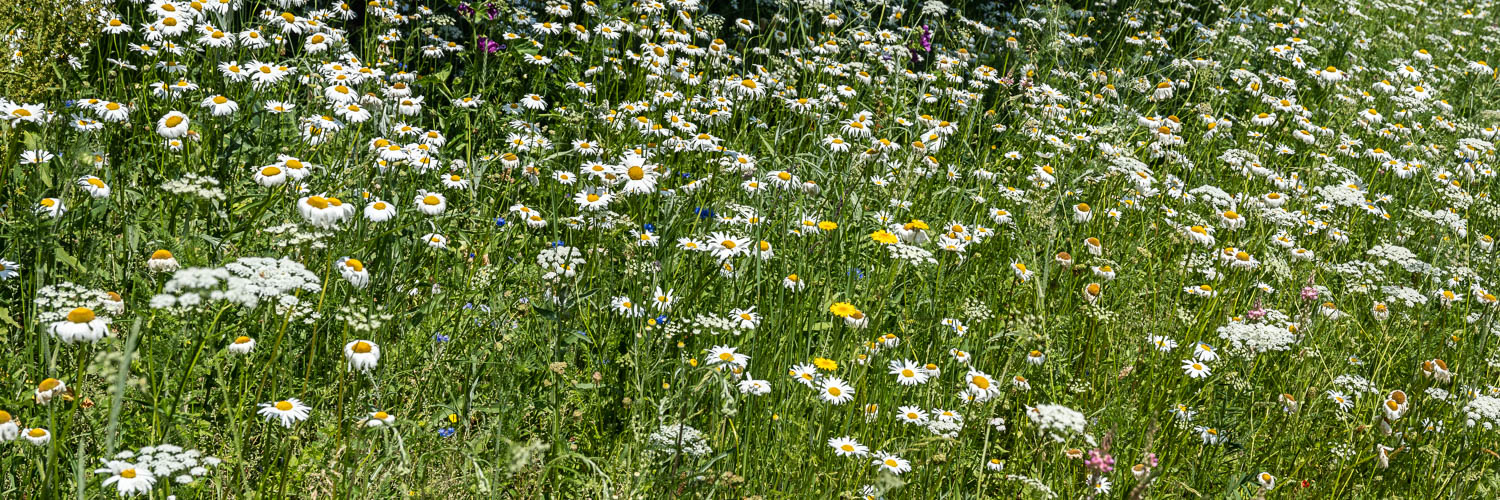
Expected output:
{"points": [[508, 377]]}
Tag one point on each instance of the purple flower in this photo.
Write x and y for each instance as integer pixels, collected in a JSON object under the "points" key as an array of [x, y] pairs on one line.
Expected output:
{"points": [[491, 11], [926, 38], [489, 46], [465, 9]]}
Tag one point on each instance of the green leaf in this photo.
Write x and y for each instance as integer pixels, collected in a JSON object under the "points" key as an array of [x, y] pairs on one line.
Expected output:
{"points": [[66, 258], [5, 316]]}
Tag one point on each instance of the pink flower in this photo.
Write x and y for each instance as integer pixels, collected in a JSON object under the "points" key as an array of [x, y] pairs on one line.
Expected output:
{"points": [[1309, 293]]}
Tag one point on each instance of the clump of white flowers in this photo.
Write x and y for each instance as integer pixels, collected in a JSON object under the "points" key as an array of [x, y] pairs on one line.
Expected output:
{"points": [[56, 301], [560, 262], [137, 472], [1271, 332], [912, 254], [196, 185], [244, 282], [1057, 421], [679, 439], [1483, 411]]}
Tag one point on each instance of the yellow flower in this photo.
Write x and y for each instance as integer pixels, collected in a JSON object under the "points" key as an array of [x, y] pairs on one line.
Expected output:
{"points": [[842, 309], [882, 236], [828, 225], [825, 364]]}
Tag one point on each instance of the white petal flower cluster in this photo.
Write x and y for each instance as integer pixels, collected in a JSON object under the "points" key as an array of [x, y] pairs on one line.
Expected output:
{"points": [[1057, 421], [245, 282]]}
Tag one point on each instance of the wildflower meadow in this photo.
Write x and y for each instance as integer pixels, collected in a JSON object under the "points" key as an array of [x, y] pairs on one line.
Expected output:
{"points": [[749, 249]]}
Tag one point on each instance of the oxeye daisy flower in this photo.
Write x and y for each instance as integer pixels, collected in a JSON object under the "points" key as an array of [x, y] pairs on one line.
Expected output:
{"points": [[379, 419], [1020, 270], [1036, 358], [51, 207], [48, 389], [982, 384], [857, 319], [37, 436], [431, 203], [1195, 369], [270, 176], [891, 463], [847, 447], [325, 212], [1340, 400], [908, 372], [725, 355], [1266, 480], [1210, 435], [379, 211], [754, 387], [353, 271], [835, 391], [455, 181], [1204, 352], [593, 200], [627, 307], [94, 186], [220, 106], [172, 125], [435, 240], [362, 355], [1092, 292], [805, 374], [745, 319], [1101, 485], [162, 261], [127, 478], [724, 246], [287, 412], [79, 326], [242, 345], [663, 301], [9, 428], [911, 415]]}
